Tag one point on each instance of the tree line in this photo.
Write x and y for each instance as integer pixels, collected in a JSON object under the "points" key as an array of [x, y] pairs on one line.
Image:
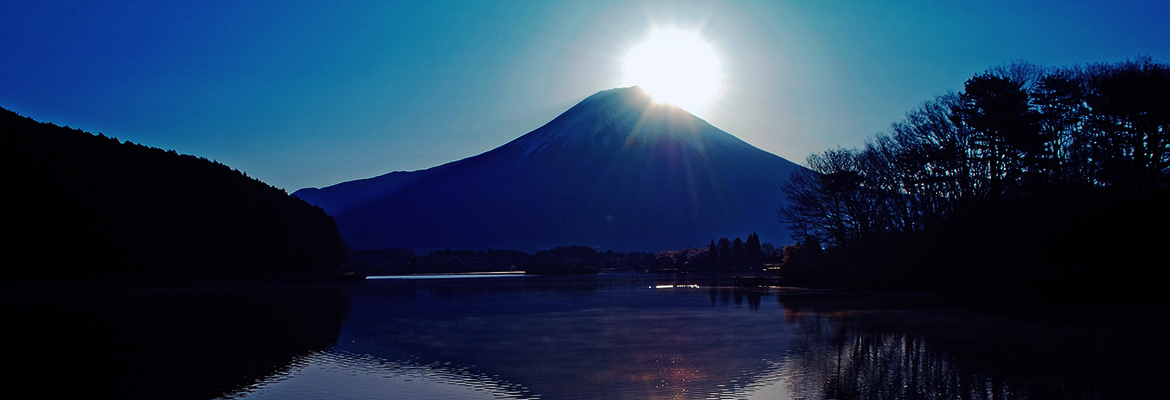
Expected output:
{"points": [[1043, 158], [554, 260], [721, 255]]}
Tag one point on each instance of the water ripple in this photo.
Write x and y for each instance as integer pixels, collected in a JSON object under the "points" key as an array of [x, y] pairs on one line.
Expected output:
{"points": [[343, 375]]}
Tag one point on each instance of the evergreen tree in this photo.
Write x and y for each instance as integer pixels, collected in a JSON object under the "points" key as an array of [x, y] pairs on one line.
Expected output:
{"points": [[712, 255], [724, 252], [1008, 140], [737, 251], [752, 248]]}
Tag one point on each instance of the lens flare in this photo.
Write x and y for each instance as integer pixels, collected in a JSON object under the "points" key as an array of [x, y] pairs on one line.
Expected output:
{"points": [[675, 66]]}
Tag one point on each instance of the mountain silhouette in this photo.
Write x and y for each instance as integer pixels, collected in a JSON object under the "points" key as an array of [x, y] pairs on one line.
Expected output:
{"points": [[616, 171], [86, 209]]}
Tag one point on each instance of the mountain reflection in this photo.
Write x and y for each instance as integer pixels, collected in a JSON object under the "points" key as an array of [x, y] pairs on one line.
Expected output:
{"points": [[335, 374], [620, 336], [654, 337], [175, 343], [564, 337]]}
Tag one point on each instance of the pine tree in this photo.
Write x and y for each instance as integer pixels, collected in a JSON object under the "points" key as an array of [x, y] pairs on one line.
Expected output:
{"points": [[753, 249], [712, 255], [724, 252], [737, 251]]}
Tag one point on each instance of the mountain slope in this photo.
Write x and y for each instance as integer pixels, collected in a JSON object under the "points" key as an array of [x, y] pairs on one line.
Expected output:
{"points": [[615, 171], [85, 209]]}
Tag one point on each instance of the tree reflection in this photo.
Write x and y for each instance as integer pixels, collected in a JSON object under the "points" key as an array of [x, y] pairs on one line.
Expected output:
{"points": [[869, 353], [182, 343], [854, 365], [753, 295]]}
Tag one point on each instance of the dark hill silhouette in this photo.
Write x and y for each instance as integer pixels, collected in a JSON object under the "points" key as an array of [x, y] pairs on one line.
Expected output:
{"points": [[615, 171], [80, 208]]}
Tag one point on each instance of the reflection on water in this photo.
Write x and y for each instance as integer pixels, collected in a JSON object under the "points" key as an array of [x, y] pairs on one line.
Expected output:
{"points": [[340, 375], [898, 350], [678, 337], [177, 343], [838, 364], [570, 337], [567, 337]]}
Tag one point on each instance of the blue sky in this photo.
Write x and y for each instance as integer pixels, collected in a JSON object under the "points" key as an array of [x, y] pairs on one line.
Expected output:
{"points": [[300, 93]]}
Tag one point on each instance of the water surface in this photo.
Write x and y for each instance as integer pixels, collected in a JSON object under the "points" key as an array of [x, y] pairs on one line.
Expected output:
{"points": [[575, 337]]}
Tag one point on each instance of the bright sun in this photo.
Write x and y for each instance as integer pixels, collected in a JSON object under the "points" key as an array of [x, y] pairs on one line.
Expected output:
{"points": [[674, 66]]}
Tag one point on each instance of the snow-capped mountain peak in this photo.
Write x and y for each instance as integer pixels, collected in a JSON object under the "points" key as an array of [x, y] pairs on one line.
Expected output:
{"points": [[619, 118], [615, 171]]}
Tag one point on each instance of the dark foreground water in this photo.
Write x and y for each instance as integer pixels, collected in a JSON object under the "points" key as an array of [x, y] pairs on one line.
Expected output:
{"points": [[588, 337]]}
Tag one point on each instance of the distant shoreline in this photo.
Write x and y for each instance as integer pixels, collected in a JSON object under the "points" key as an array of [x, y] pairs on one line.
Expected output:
{"points": [[452, 275]]}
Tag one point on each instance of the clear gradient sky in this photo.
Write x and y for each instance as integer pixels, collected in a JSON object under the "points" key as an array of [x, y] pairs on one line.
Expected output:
{"points": [[312, 93]]}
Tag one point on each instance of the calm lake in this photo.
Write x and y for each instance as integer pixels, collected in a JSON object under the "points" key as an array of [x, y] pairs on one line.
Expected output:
{"points": [[606, 336]]}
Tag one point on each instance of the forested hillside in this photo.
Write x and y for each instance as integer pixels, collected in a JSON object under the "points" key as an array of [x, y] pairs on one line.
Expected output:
{"points": [[85, 209], [1032, 179]]}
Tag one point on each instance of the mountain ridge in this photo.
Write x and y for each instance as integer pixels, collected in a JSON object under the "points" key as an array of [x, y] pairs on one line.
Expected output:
{"points": [[615, 171]]}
